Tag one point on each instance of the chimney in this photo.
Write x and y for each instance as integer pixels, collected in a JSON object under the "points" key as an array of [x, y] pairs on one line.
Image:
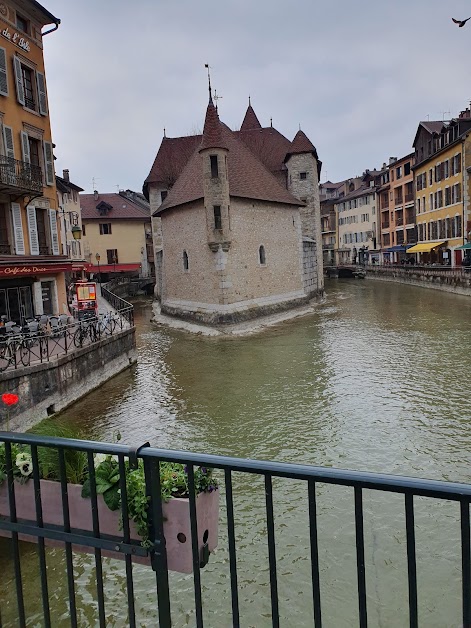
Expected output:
{"points": [[95, 194], [392, 160], [65, 175]]}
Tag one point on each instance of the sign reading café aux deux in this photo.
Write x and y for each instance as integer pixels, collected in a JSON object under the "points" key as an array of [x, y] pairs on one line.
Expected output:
{"points": [[22, 271]]}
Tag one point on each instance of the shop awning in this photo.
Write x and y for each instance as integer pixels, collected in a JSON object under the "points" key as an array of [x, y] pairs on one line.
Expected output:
{"points": [[113, 268], [425, 247], [464, 247], [398, 248]]}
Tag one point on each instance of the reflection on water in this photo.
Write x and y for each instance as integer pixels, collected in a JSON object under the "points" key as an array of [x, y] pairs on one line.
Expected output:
{"points": [[371, 381]]}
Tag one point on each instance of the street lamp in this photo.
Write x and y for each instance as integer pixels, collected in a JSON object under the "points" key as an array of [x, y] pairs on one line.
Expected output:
{"points": [[74, 219], [97, 257]]}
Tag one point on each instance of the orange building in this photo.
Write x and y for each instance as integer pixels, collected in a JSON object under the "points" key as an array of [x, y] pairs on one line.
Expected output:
{"points": [[32, 269]]}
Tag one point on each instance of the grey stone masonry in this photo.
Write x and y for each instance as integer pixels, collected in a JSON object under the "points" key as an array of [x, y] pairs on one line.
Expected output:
{"points": [[303, 182]]}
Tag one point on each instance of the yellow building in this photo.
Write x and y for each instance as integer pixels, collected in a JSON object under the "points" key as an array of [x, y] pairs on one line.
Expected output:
{"points": [[440, 172], [117, 234], [32, 268]]}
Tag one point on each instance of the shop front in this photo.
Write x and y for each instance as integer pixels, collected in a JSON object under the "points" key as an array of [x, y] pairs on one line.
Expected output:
{"points": [[32, 289]]}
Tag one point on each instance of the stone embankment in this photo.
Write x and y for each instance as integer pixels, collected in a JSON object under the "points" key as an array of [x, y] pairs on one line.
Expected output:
{"points": [[455, 280]]}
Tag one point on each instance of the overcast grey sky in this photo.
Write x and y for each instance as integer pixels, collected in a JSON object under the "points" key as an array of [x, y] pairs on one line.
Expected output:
{"points": [[357, 75]]}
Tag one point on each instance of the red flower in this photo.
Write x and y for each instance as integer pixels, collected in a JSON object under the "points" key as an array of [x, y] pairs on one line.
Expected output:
{"points": [[9, 399]]}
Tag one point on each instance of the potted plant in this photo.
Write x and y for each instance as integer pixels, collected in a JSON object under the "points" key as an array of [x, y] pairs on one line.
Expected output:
{"points": [[174, 493]]}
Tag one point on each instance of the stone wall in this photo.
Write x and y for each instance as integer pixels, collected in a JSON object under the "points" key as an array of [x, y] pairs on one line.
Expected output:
{"points": [[50, 387], [455, 283]]}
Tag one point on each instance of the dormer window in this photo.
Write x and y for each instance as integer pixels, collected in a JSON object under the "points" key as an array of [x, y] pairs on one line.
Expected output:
{"points": [[103, 208], [214, 166]]}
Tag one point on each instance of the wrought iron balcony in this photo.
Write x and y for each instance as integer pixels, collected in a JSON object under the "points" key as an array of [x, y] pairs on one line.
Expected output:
{"points": [[18, 176]]}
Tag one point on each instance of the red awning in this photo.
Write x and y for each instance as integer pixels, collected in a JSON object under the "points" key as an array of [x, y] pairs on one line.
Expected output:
{"points": [[112, 268]]}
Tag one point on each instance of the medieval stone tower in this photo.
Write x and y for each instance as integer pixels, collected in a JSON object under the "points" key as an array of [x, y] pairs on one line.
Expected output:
{"points": [[303, 182]]}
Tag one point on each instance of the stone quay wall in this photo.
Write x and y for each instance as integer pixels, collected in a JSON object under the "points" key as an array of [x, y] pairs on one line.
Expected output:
{"points": [[47, 388], [456, 281]]}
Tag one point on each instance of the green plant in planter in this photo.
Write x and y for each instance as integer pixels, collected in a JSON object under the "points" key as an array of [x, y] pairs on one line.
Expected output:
{"points": [[21, 462], [174, 483]]}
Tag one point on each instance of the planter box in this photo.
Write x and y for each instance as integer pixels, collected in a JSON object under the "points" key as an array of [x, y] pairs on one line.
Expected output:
{"points": [[176, 513]]}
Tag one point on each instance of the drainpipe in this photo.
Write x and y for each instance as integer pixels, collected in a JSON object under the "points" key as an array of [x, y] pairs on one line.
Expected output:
{"points": [[51, 30]]}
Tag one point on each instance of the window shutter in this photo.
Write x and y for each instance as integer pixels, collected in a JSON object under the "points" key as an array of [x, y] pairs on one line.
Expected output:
{"points": [[41, 83], [48, 163], [54, 234], [18, 229], [8, 142], [33, 230], [25, 147], [3, 72], [20, 90], [458, 163]]}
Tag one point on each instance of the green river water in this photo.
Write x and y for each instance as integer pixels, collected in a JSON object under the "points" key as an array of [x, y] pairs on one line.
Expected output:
{"points": [[375, 379]]}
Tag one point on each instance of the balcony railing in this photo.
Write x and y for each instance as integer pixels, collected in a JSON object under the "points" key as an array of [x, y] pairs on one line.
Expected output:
{"points": [[19, 176], [273, 481]]}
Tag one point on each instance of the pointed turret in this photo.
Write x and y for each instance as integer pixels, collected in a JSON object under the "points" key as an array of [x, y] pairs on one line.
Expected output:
{"points": [[250, 120], [301, 144], [212, 132]]}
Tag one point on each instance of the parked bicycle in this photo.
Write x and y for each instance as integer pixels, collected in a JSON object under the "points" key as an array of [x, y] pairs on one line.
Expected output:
{"points": [[13, 346]]}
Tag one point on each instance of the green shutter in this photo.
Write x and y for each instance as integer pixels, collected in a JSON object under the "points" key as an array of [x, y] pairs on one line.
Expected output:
{"points": [[41, 83], [48, 163], [20, 90]]}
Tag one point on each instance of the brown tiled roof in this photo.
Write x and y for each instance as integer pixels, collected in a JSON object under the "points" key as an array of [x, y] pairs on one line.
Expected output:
{"points": [[248, 177], [212, 132], [172, 157], [301, 144], [433, 126], [250, 120], [122, 208], [269, 145]]}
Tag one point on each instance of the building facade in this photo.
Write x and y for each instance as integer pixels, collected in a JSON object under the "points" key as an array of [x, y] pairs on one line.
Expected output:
{"points": [[117, 234], [396, 201], [442, 189], [32, 264], [239, 221], [329, 194], [70, 221]]}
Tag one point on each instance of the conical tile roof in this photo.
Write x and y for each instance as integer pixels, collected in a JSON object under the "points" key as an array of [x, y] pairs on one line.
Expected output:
{"points": [[212, 134], [250, 120], [301, 144]]}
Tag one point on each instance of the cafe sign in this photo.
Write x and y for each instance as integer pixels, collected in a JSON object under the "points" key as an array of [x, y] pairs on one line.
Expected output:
{"points": [[17, 39], [23, 271]]}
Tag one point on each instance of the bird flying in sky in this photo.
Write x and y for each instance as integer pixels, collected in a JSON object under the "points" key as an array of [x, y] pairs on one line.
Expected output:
{"points": [[460, 23]]}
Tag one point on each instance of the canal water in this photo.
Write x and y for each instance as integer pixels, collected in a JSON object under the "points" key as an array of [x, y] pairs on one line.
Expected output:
{"points": [[375, 379]]}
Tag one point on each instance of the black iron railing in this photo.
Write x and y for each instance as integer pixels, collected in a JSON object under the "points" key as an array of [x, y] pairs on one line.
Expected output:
{"points": [[313, 477], [54, 338], [21, 175], [123, 307]]}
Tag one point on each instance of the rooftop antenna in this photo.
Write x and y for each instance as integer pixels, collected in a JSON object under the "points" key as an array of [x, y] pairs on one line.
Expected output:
{"points": [[94, 180], [428, 117], [206, 65], [444, 113], [117, 187]]}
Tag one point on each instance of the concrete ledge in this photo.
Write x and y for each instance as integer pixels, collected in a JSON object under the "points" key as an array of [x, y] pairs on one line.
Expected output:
{"points": [[49, 387], [451, 283]]}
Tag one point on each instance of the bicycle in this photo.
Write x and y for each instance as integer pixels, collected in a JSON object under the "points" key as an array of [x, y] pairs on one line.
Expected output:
{"points": [[14, 348], [106, 324], [85, 330]]}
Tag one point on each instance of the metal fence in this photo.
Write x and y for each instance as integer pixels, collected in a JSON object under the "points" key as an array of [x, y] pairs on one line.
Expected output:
{"points": [[119, 304], [26, 348], [311, 477]]}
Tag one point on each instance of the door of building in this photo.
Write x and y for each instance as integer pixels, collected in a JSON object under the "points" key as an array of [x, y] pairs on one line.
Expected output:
{"points": [[48, 307], [16, 304]]}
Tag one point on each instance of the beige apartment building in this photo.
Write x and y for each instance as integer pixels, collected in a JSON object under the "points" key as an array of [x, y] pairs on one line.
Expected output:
{"points": [[117, 234]]}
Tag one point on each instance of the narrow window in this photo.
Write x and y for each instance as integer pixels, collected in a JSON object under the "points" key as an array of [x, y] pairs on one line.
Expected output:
{"points": [[303, 175], [214, 166], [185, 260], [112, 256], [217, 217], [261, 255], [21, 23], [28, 87], [105, 228], [83, 229]]}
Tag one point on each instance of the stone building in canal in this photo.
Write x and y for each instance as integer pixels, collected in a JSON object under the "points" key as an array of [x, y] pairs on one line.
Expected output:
{"points": [[236, 221]]}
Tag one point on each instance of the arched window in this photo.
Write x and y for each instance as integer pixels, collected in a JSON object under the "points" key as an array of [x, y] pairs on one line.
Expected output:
{"points": [[185, 260], [261, 255]]}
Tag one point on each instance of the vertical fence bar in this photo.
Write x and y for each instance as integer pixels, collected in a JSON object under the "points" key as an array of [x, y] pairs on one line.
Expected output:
{"points": [[411, 561], [127, 538], [14, 536], [68, 547], [96, 534], [232, 549], [41, 543], [316, 594], [360, 544], [275, 613], [156, 535], [466, 563], [195, 547]]}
